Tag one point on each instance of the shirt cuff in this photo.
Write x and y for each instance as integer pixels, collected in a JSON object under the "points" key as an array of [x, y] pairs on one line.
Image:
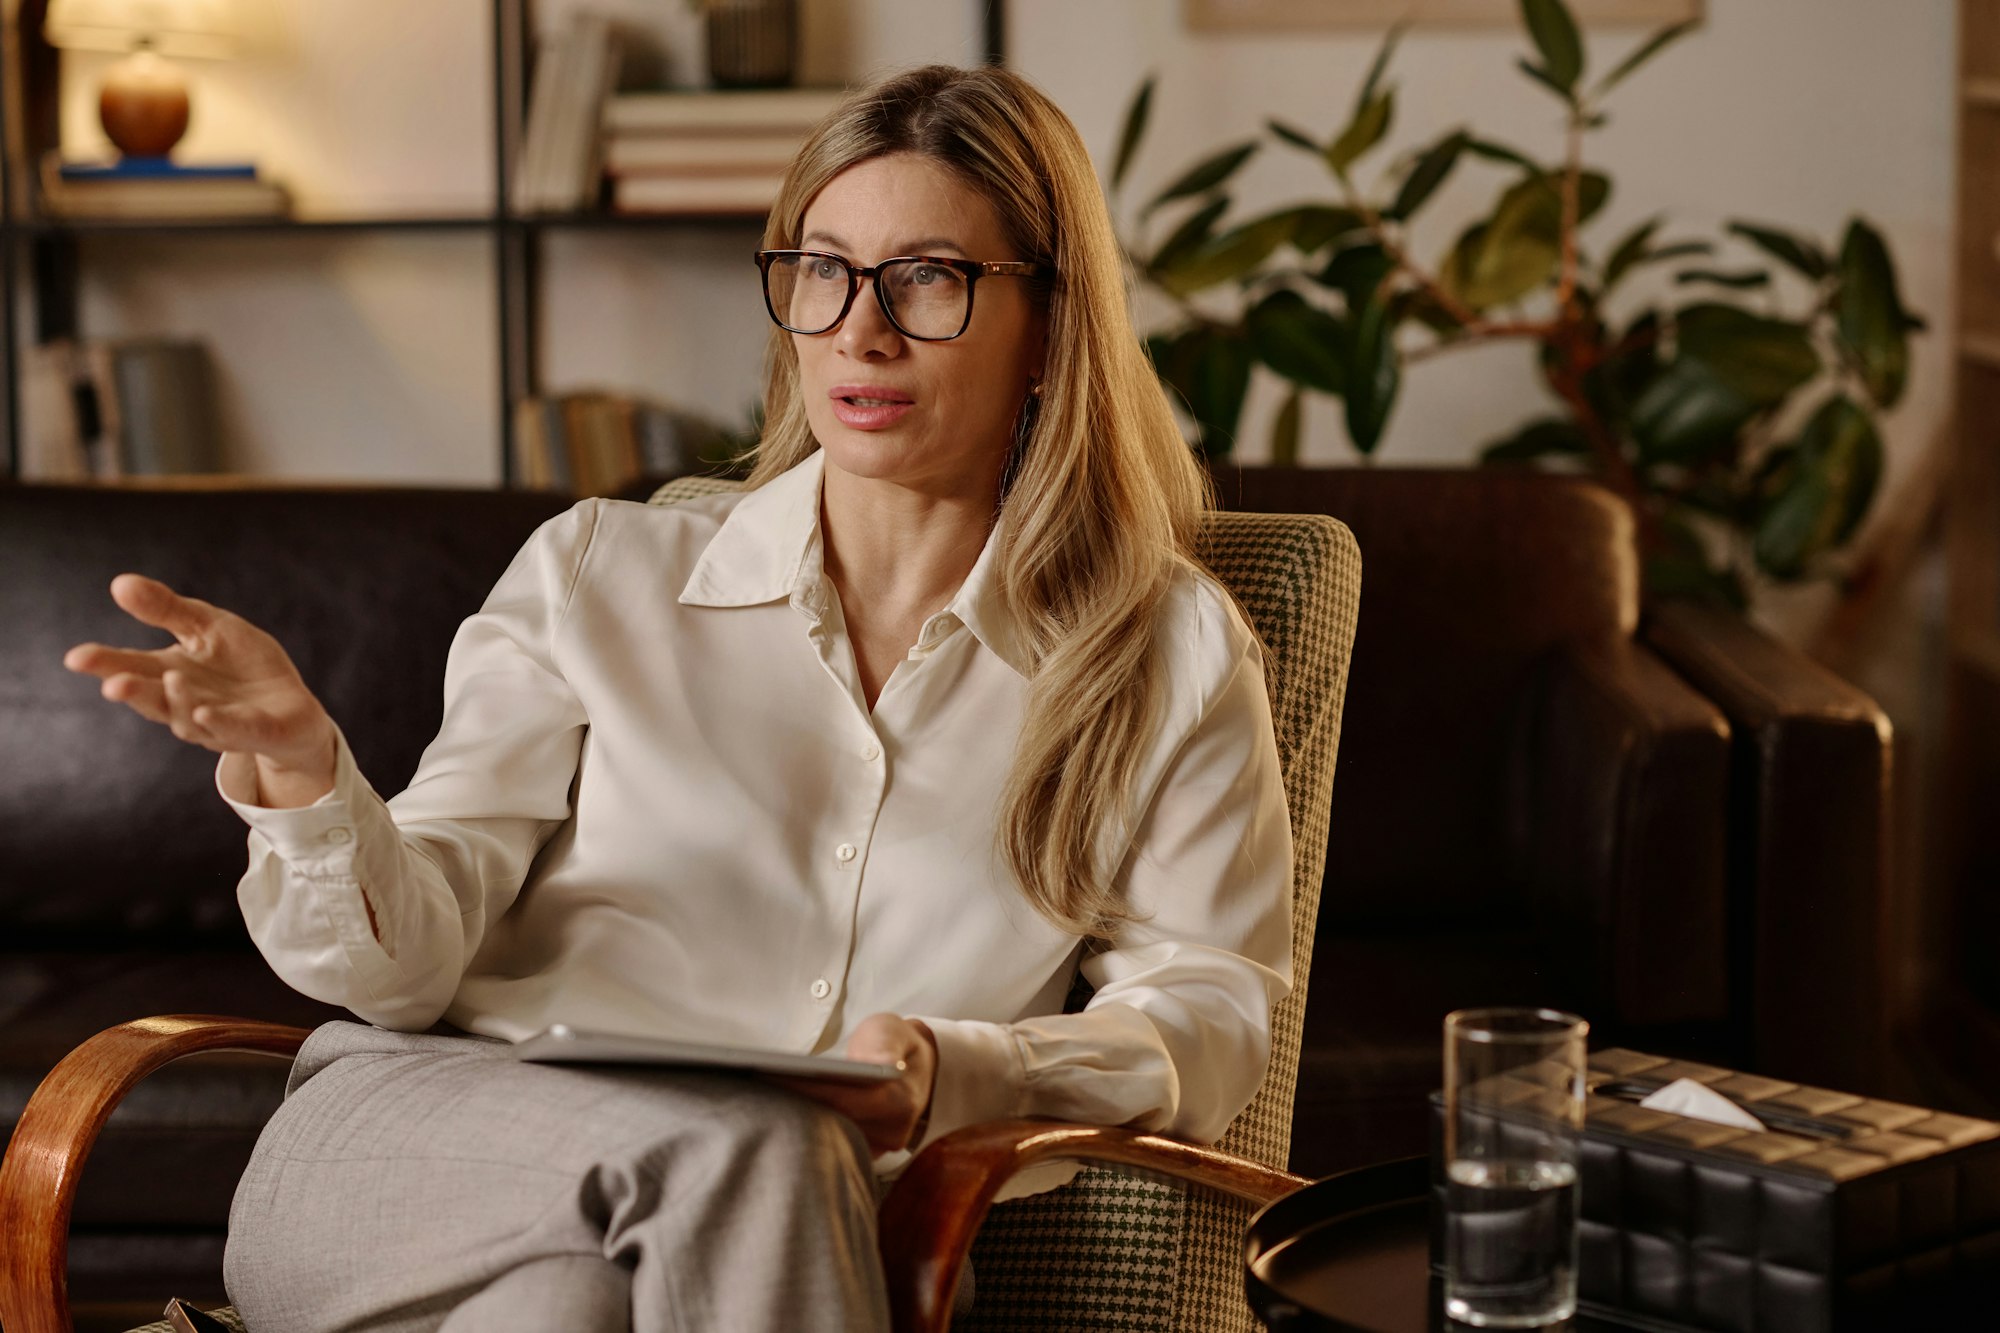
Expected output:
{"points": [[979, 1076], [305, 835]]}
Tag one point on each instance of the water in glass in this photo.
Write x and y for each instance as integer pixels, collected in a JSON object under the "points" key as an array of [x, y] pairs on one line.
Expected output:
{"points": [[1510, 1236]]}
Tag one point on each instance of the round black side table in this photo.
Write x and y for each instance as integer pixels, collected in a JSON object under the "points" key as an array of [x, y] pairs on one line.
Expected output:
{"points": [[1351, 1254]]}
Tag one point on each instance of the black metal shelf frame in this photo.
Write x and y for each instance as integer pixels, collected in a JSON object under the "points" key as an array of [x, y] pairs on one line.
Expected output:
{"points": [[54, 244]]}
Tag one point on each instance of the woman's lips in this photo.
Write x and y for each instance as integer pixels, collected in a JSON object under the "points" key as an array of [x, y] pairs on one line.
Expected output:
{"points": [[869, 409]]}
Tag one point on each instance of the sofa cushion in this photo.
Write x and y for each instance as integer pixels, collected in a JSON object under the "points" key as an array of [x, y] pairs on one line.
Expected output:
{"points": [[172, 1151]]}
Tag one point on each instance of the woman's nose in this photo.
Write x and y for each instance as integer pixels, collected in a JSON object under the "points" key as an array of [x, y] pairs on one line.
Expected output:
{"points": [[867, 325]]}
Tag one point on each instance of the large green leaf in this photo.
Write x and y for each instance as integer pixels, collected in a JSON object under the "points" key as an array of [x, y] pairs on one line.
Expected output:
{"points": [[1195, 230], [1651, 47], [1762, 360], [1377, 68], [1499, 152], [1688, 413], [1373, 374], [1680, 567], [1429, 173], [1204, 175], [1285, 431], [1228, 257], [1629, 367], [1631, 249], [1541, 438], [1298, 340], [1556, 37], [1787, 534], [1825, 493], [1357, 272], [1824, 490], [1796, 252], [1295, 136], [1869, 313], [1366, 130], [1519, 248], [1209, 368], [1134, 129], [1318, 225], [1547, 80]]}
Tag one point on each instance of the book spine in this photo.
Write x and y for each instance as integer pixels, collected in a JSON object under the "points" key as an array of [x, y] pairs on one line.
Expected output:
{"points": [[760, 153], [136, 397], [555, 440], [541, 126], [678, 112]]}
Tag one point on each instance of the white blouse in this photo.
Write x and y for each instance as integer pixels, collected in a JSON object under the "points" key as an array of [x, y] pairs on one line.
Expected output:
{"points": [[658, 804]]}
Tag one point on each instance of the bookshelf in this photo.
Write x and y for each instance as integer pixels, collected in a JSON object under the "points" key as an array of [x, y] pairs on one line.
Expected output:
{"points": [[41, 257]]}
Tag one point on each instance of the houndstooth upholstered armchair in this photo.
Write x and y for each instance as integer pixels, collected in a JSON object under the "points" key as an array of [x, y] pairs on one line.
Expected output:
{"points": [[1110, 1250]]}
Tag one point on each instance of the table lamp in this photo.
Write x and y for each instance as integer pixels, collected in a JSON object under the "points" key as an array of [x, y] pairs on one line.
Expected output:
{"points": [[144, 101]]}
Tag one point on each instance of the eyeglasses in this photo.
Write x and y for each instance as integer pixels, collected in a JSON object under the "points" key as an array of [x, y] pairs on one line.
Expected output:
{"points": [[927, 297]]}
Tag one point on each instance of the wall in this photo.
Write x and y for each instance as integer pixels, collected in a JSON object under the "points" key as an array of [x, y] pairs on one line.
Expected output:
{"points": [[370, 357]]}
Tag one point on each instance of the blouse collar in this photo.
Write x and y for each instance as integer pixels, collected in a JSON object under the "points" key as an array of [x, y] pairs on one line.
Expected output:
{"points": [[770, 547]]}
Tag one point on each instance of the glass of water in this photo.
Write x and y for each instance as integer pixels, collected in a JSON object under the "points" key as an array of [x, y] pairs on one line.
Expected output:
{"points": [[1513, 1126]]}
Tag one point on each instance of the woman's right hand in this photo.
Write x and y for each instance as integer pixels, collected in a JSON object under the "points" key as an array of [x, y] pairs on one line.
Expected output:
{"points": [[224, 684]]}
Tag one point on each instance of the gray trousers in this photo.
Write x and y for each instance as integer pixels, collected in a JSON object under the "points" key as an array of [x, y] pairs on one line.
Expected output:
{"points": [[413, 1182]]}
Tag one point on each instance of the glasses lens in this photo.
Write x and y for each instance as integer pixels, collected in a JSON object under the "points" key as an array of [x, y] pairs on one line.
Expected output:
{"points": [[928, 300], [806, 291]]}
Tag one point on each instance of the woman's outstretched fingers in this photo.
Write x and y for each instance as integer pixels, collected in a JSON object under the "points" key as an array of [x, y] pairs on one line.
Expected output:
{"points": [[181, 703], [97, 660], [144, 695], [152, 602]]}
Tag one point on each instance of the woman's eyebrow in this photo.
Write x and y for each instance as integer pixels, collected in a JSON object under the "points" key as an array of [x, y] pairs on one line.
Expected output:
{"points": [[908, 247]]}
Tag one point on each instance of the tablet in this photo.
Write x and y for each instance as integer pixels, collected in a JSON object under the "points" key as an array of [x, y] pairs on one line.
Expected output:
{"points": [[562, 1044]]}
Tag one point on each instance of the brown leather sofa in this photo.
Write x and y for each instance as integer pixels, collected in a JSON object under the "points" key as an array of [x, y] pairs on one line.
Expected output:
{"points": [[1666, 821], [118, 859], [1530, 803]]}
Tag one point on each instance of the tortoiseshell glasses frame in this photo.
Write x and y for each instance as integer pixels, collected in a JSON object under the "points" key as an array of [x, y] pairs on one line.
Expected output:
{"points": [[972, 269]]}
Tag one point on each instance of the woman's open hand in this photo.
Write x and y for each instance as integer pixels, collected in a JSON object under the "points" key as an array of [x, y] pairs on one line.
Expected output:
{"points": [[887, 1112], [224, 684]]}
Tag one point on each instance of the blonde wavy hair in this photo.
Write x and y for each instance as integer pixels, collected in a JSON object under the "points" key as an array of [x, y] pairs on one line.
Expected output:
{"points": [[1106, 498]]}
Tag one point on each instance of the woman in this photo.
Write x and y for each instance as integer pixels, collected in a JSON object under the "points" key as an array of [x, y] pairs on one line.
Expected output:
{"points": [[871, 757]]}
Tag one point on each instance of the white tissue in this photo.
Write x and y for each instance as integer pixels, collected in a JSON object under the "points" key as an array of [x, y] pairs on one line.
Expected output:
{"points": [[1686, 1097]]}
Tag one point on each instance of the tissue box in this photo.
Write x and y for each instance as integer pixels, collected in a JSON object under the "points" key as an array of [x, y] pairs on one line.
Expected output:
{"points": [[1843, 1214]]}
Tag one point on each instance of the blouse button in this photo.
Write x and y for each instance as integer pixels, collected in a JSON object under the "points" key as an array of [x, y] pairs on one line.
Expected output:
{"points": [[871, 752], [845, 852], [338, 835], [821, 989]]}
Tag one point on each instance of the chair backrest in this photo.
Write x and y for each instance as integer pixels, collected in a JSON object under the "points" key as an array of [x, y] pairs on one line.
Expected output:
{"points": [[1066, 1258], [1474, 576]]}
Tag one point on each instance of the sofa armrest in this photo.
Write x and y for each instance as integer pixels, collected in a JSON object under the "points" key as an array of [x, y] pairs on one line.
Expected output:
{"points": [[1808, 844], [1619, 826], [57, 1130], [935, 1207]]}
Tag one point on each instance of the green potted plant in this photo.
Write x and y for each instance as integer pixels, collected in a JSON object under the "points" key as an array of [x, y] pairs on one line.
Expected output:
{"points": [[1745, 440]]}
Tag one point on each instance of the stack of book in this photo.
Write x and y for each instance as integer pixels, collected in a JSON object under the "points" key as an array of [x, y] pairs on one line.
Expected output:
{"points": [[159, 187], [107, 408], [719, 151], [561, 167], [598, 443]]}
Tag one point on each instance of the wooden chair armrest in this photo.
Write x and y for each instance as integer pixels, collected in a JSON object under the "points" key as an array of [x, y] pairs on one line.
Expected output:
{"points": [[57, 1130], [933, 1211]]}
